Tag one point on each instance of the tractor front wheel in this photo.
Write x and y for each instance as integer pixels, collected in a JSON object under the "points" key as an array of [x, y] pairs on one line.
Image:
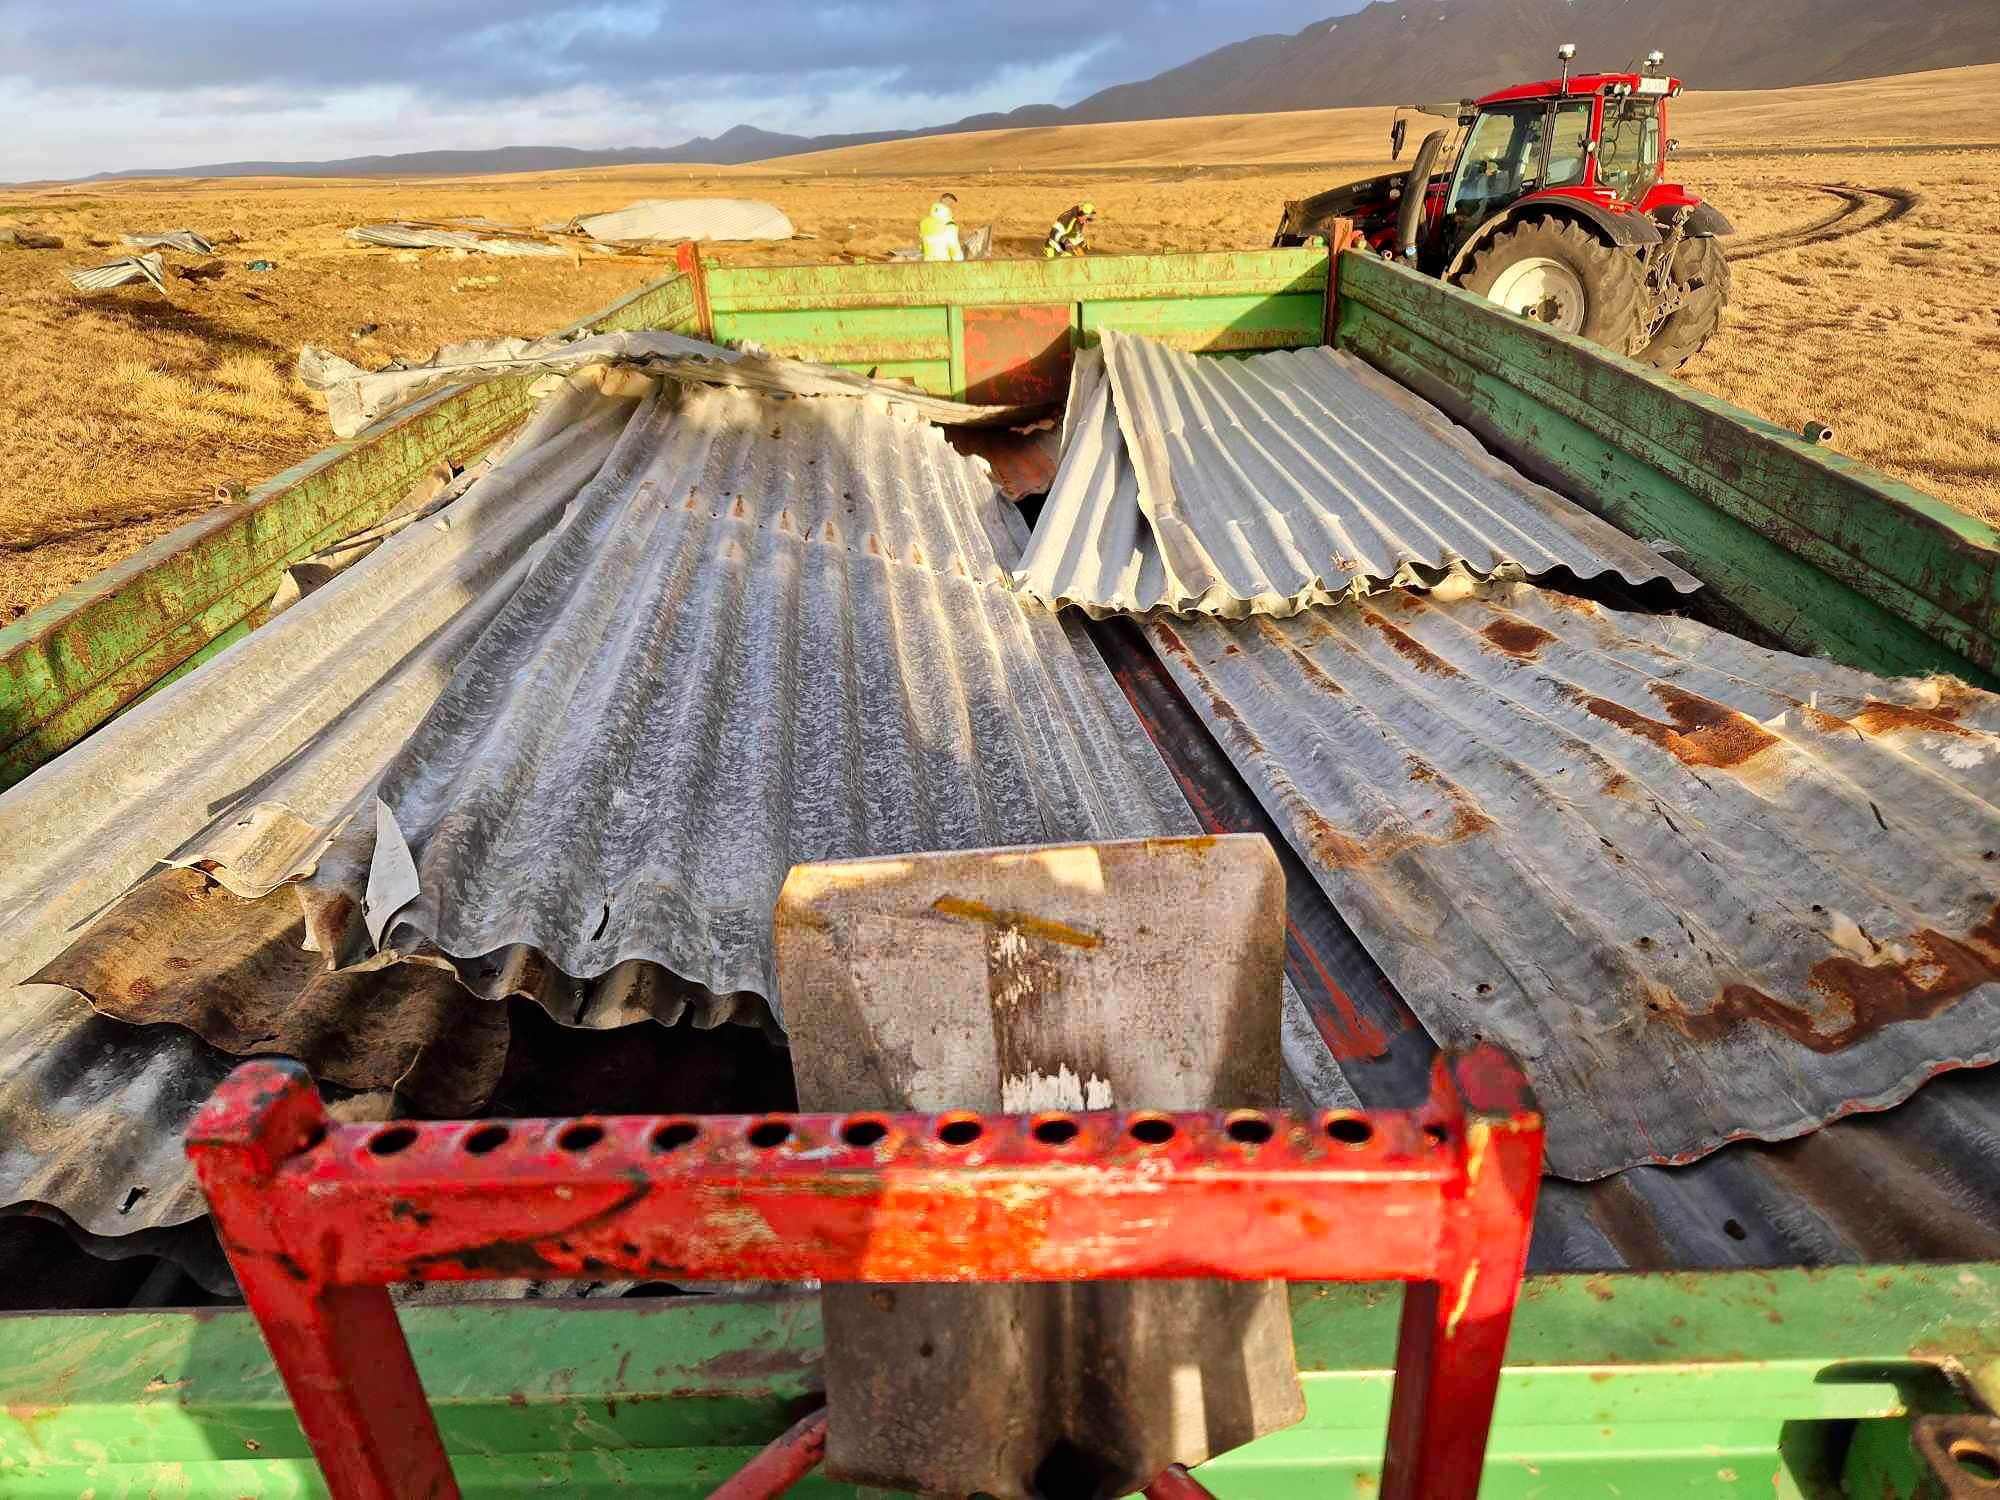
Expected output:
{"points": [[1701, 273], [1557, 273]]}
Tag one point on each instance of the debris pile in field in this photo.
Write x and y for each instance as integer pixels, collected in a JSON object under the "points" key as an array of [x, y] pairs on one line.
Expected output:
{"points": [[479, 240]]}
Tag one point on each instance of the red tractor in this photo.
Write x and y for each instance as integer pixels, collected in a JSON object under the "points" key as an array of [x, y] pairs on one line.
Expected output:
{"points": [[1554, 207]]}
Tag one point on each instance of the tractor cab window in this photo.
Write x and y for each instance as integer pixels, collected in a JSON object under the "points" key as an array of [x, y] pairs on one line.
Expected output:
{"points": [[1569, 143], [1628, 159], [1516, 149]]}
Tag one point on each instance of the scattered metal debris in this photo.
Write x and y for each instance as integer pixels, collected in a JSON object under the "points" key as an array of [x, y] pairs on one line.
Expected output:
{"points": [[125, 271], [171, 239], [405, 236]]}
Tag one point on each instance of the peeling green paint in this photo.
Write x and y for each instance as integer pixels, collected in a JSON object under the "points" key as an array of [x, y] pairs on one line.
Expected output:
{"points": [[1751, 1383]]}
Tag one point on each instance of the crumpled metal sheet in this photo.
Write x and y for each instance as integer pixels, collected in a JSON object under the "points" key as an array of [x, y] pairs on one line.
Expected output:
{"points": [[1297, 477], [987, 722], [299, 716], [1706, 892], [768, 633], [355, 397], [417, 237], [150, 268], [652, 220], [171, 239]]}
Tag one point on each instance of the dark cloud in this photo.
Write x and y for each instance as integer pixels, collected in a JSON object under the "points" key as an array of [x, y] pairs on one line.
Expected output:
{"points": [[649, 52]]}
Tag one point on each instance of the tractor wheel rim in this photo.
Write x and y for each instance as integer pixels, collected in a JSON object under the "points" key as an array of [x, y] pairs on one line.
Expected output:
{"points": [[1542, 289]]}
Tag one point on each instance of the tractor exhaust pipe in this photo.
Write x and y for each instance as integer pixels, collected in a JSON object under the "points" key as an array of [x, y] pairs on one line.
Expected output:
{"points": [[1567, 52]]}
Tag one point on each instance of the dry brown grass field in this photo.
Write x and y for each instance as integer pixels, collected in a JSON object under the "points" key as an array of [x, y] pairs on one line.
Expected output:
{"points": [[120, 413]]}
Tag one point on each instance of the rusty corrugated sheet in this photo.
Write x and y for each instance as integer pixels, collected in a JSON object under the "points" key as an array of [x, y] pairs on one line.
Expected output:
{"points": [[1917, 1182], [1267, 484], [1707, 892]]}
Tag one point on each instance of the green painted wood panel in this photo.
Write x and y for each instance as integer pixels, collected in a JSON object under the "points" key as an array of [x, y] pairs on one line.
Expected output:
{"points": [[1241, 323], [1824, 553], [1740, 1383]]}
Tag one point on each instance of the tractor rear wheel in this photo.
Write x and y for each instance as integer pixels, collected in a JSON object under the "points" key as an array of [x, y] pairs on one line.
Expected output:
{"points": [[1702, 274], [1557, 273]]}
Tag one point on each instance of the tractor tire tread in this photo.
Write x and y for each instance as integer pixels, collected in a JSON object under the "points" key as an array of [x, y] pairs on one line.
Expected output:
{"points": [[1688, 329], [1614, 282]]}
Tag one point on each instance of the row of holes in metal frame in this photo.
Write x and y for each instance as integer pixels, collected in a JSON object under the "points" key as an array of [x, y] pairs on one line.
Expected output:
{"points": [[767, 1135]]}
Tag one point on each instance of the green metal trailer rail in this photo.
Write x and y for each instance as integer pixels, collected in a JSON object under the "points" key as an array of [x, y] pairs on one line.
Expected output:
{"points": [[1811, 549], [1795, 1384]]}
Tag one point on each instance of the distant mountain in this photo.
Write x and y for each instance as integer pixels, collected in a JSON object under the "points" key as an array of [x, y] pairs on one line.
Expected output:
{"points": [[1400, 51], [1394, 51]]}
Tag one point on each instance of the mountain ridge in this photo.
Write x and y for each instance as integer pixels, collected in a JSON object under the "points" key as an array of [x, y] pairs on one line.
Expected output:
{"points": [[1388, 52]]}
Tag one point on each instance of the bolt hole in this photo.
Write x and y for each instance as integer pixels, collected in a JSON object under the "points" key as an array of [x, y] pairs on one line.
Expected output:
{"points": [[1350, 1131], [1249, 1130], [389, 1142], [1437, 1135], [863, 1132], [768, 1133], [1056, 1132], [1977, 1460], [580, 1137], [960, 1132], [629, 1250], [1152, 1131], [673, 1137], [1735, 1230], [1482, 989], [486, 1138]]}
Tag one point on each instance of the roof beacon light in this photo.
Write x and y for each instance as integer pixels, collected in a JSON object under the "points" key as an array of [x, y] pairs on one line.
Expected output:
{"points": [[1655, 60], [1567, 52]]}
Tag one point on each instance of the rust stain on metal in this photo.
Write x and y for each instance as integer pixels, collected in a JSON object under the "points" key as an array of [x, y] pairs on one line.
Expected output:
{"points": [[1408, 647], [1938, 971], [1024, 922], [1885, 718], [1517, 638], [1703, 732], [1344, 851]]}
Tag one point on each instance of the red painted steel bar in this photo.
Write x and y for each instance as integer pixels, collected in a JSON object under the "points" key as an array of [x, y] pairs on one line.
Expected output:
{"points": [[783, 1464], [1175, 1483], [318, 1218]]}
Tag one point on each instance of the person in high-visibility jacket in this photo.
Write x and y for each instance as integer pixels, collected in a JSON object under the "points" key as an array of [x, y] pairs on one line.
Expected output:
{"points": [[1069, 233], [939, 230]]}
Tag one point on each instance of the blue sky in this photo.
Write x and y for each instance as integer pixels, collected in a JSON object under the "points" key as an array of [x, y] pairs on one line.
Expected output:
{"points": [[110, 85]]}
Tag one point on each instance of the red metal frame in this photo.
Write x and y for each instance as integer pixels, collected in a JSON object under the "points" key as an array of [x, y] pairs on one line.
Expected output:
{"points": [[318, 1218]]}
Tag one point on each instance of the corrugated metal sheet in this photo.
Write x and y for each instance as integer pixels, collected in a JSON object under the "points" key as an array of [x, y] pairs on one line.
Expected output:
{"points": [[767, 634], [1262, 485], [1917, 1182], [760, 632], [171, 239], [124, 271], [417, 237], [1705, 891], [656, 219], [299, 716]]}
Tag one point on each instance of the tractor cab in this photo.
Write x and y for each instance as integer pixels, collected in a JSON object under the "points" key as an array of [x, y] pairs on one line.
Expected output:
{"points": [[1599, 138], [1551, 199]]}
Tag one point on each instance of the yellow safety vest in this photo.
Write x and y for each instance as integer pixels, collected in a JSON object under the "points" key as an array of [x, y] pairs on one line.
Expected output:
{"points": [[939, 233]]}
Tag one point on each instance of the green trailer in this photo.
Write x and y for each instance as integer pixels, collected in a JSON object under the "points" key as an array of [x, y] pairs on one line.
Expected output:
{"points": [[1734, 1357]]}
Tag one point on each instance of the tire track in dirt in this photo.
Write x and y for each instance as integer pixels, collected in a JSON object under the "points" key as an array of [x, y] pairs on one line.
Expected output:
{"points": [[1861, 210]]}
